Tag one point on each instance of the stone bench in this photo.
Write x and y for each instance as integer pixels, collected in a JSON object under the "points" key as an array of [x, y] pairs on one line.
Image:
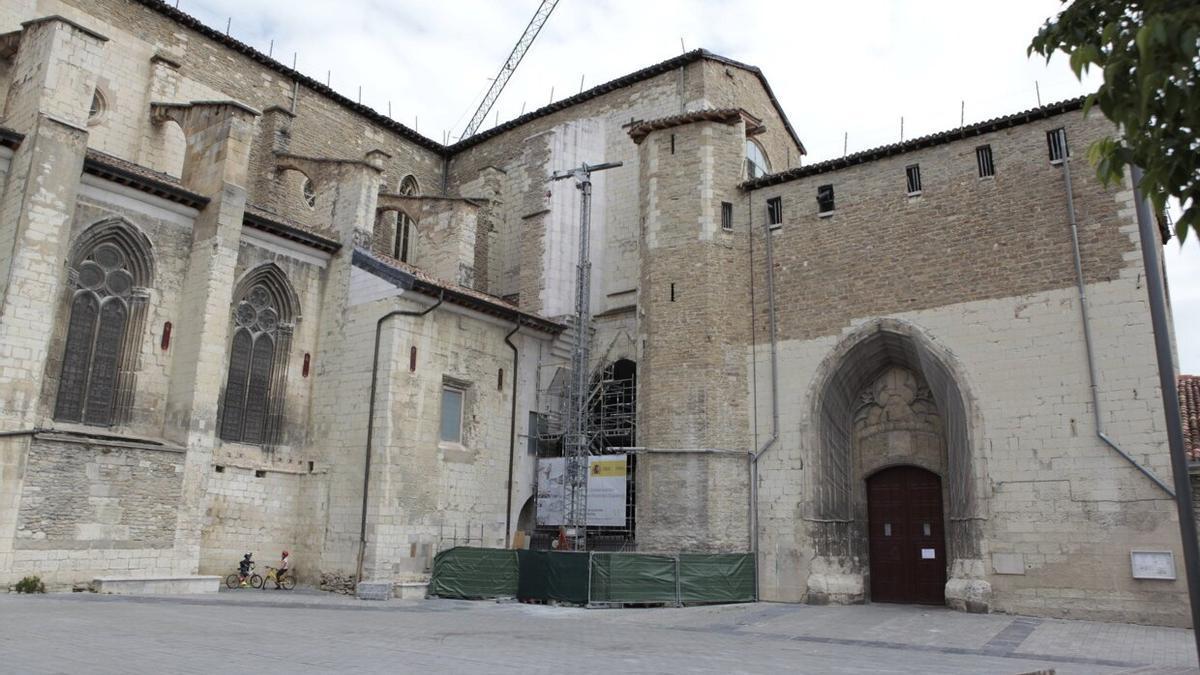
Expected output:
{"points": [[182, 585]]}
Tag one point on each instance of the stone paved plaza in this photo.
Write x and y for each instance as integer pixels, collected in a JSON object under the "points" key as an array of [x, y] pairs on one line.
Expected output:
{"points": [[276, 632]]}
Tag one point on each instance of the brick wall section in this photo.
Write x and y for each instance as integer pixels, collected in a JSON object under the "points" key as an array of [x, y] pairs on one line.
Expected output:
{"points": [[963, 239], [729, 87], [96, 509]]}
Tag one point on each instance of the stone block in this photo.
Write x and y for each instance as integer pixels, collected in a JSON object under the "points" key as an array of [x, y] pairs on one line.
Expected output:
{"points": [[374, 590], [181, 585]]}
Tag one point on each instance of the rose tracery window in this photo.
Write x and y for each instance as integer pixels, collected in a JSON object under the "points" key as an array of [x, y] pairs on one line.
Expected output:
{"points": [[257, 364], [107, 304]]}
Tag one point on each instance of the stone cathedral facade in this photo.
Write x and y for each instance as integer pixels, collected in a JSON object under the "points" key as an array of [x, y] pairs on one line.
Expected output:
{"points": [[239, 312]]}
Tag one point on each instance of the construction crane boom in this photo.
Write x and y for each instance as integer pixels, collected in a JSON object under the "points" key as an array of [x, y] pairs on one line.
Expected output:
{"points": [[506, 71]]}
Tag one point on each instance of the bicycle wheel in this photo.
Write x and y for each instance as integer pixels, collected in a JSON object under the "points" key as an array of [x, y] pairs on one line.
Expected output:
{"points": [[232, 581], [288, 583], [256, 581]]}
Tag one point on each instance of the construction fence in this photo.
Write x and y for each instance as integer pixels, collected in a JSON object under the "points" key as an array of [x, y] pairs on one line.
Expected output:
{"points": [[594, 578]]}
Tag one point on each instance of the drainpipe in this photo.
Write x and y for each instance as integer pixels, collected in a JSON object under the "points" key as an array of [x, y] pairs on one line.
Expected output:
{"points": [[1087, 328], [1170, 396], [512, 435], [362, 532], [20, 432], [774, 439]]}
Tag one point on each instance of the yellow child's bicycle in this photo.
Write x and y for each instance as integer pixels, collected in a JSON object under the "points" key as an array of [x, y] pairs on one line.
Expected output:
{"points": [[287, 584]]}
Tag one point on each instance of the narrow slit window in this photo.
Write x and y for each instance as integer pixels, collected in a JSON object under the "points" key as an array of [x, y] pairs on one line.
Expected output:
{"points": [[983, 158], [912, 173], [825, 199], [726, 216], [405, 227], [1056, 143], [775, 211]]}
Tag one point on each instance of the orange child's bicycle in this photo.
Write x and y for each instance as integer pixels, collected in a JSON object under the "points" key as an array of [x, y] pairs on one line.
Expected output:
{"points": [[287, 584]]}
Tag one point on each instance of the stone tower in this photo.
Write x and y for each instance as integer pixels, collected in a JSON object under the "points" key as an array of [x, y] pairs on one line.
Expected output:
{"points": [[692, 488]]}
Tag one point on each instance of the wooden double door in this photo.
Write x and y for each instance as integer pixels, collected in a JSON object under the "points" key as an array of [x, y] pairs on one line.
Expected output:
{"points": [[907, 537]]}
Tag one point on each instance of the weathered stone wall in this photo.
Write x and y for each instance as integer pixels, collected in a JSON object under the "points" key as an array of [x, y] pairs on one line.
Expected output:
{"points": [[421, 489], [210, 71], [729, 87], [264, 512], [167, 226], [95, 508], [690, 410], [982, 269]]}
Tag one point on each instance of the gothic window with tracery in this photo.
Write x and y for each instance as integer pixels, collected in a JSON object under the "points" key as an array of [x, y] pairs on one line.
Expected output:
{"points": [[111, 267], [405, 225], [257, 360]]}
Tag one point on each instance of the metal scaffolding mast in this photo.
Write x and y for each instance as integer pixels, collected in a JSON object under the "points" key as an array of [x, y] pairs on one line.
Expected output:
{"points": [[506, 71], [577, 432]]}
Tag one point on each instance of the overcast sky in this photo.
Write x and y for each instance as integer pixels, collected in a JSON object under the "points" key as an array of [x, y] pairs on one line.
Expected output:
{"points": [[837, 67]]}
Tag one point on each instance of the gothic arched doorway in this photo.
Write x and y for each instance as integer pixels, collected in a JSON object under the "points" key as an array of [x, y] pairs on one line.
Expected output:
{"points": [[889, 395], [907, 543]]}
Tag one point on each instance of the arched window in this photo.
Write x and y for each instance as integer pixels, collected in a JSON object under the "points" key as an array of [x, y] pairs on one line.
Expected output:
{"points": [[264, 310], [406, 233], [409, 187], [111, 268], [756, 160]]}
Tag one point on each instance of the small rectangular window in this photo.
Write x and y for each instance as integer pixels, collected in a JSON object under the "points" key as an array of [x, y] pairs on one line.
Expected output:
{"points": [[775, 211], [1056, 142], [452, 415], [726, 216], [983, 158], [536, 428], [913, 173], [825, 199]]}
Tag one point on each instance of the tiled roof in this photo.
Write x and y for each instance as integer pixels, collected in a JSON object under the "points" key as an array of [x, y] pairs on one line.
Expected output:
{"points": [[939, 138], [625, 81], [422, 282], [261, 219], [139, 177], [640, 130], [1189, 403], [195, 24]]}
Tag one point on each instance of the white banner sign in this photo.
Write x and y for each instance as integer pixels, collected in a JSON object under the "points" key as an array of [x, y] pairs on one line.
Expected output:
{"points": [[606, 491]]}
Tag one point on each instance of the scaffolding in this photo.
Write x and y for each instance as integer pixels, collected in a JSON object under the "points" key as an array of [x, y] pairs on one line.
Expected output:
{"points": [[581, 427]]}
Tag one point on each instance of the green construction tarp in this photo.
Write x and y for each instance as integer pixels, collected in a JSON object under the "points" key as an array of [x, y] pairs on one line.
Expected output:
{"points": [[463, 572], [583, 578], [558, 576], [716, 577], [633, 578]]}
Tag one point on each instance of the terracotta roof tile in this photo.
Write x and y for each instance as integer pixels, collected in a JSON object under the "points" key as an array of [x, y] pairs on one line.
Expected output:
{"points": [[428, 284], [1189, 403], [996, 124], [141, 178], [640, 130]]}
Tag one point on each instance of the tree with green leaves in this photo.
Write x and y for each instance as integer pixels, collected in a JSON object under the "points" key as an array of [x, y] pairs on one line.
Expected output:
{"points": [[1149, 52]]}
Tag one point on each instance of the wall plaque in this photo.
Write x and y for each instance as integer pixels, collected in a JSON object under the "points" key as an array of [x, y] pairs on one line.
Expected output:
{"points": [[1152, 564]]}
